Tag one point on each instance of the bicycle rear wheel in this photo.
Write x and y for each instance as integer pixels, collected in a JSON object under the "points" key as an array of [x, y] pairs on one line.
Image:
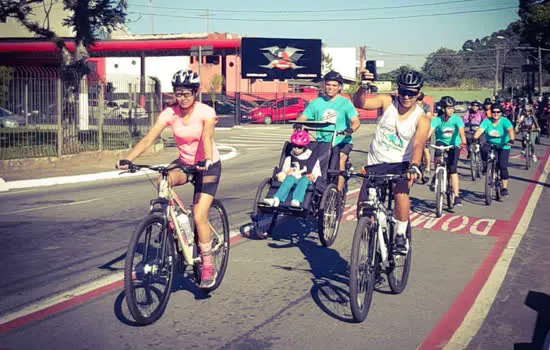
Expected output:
{"points": [[328, 221], [219, 228], [489, 184], [364, 263], [527, 156], [473, 162], [149, 270], [439, 193], [398, 276]]}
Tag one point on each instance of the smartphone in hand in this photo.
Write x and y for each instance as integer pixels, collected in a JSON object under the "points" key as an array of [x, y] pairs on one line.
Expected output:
{"points": [[371, 67]]}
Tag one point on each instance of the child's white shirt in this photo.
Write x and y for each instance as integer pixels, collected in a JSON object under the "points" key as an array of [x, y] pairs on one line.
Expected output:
{"points": [[316, 171]]}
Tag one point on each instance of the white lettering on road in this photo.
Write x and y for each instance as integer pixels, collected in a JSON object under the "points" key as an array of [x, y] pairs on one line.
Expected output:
{"points": [[446, 223], [482, 227]]}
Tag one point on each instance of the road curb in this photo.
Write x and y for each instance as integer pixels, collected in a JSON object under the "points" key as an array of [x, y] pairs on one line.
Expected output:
{"points": [[116, 174]]}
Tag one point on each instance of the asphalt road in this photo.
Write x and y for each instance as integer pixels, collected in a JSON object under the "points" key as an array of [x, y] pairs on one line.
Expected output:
{"points": [[284, 293]]}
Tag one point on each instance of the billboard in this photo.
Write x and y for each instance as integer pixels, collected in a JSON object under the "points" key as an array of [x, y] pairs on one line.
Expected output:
{"points": [[273, 58]]}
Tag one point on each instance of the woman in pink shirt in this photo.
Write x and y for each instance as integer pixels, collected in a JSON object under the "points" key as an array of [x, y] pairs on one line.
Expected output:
{"points": [[192, 124]]}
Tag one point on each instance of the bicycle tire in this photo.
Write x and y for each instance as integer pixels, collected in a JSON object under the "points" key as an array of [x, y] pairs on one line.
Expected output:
{"points": [[450, 194], [473, 162], [439, 194], [496, 181], [489, 184], [363, 265], [258, 216], [397, 285], [528, 156], [149, 270], [329, 217], [479, 165], [217, 217]]}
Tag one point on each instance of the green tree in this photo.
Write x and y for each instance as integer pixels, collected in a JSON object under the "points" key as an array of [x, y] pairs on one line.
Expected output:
{"points": [[392, 75], [87, 18], [534, 26], [326, 63], [443, 67], [214, 87]]}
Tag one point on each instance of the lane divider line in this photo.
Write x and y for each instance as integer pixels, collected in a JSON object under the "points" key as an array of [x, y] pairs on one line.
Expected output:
{"points": [[454, 317], [477, 314]]}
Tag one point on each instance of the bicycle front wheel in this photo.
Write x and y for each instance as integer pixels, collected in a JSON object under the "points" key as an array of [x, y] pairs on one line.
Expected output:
{"points": [[149, 270], [219, 228], [473, 162], [528, 156], [439, 193], [363, 266], [489, 184], [398, 276]]}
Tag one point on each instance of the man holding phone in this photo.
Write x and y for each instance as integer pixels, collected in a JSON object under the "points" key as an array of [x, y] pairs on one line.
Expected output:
{"points": [[398, 143]]}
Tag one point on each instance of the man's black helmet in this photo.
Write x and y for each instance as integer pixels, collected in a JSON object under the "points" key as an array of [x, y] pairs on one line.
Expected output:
{"points": [[186, 79], [476, 103], [334, 76], [487, 101], [410, 80], [447, 101]]}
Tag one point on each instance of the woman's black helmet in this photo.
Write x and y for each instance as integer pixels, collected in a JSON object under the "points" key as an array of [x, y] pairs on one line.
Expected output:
{"points": [[487, 101], [410, 80], [186, 79], [334, 76], [447, 101]]}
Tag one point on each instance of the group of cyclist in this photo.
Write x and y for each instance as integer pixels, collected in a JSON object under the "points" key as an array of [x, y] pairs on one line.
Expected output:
{"points": [[398, 146]]}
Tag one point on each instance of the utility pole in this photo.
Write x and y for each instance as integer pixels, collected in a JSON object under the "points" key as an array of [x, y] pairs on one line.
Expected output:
{"points": [[496, 72], [152, 16], [540, 71]]}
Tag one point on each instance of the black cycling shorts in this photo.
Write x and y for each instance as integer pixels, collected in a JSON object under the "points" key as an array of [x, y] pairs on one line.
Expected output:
{"points": [[345, 148], [205, 181], [399, 185]]}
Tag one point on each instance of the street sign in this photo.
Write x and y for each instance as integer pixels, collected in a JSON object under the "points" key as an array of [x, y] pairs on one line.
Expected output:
{"points": [[205, 51]]}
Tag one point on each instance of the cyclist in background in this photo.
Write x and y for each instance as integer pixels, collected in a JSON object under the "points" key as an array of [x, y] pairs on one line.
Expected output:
{"points": [[335, 108], [449, 131], [487, 107], [398, 143], [527, 122], [472, 119], [499, 132], [193, 124], [427, 156]]}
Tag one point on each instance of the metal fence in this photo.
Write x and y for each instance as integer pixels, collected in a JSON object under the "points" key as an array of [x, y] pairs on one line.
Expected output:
{"points": [[44, 112]]}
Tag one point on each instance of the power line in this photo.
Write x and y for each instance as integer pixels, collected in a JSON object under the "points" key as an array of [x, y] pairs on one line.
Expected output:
{"points": [[328, 19], [311, 11]]}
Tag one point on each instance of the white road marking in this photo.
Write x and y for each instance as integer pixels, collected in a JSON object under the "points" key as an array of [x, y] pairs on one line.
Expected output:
{"points": [[478, 312], [50, 206]]}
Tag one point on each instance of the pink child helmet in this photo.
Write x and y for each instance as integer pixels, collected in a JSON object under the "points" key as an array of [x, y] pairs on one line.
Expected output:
{"points": [[300, 138]]}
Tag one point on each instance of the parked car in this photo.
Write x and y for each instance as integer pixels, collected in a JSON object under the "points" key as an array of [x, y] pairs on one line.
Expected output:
{"points": [[120, 109], [226, 108], [10, 120], [461, 106], [273, 111]]}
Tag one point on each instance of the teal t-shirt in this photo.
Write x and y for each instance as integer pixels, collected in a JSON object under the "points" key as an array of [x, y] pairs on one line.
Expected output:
{"points": [[322, 109], [446, 132], [497, 135]]}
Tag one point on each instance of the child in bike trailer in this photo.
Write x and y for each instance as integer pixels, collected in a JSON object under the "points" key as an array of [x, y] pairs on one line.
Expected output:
{"points": [[499, 132], [472, 119], [449, 131], [301, 168], [527, 122]]}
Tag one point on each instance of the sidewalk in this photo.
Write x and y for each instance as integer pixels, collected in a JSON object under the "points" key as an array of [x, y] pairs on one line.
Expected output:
{"points": [[82, 167]]}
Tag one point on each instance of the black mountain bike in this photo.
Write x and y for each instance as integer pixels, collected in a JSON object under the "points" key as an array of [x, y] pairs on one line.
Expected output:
{"points": [[493, 182]]}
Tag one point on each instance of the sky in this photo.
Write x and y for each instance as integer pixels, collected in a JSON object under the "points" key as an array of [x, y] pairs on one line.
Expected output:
{"points": [[398, 32]]}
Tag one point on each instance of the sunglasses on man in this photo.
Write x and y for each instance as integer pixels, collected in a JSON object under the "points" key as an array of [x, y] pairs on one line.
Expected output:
{"points": [[408, 93], [496, 112]]}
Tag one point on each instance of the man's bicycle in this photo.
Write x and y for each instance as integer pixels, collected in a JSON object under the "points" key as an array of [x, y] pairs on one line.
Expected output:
{"points": [[443, 185], [476, 165], [526, 146], [166, 240], [372, 246]]}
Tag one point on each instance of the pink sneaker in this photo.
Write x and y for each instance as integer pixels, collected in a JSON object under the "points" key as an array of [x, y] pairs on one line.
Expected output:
{"points": [[208, 276]]}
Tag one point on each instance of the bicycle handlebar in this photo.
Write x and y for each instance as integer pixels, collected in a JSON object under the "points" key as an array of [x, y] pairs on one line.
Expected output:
{"points": [[161, 168], [443, 148]]}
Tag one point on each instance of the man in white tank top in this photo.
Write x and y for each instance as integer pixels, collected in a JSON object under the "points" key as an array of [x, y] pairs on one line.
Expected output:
{"points": [[398, 142]]}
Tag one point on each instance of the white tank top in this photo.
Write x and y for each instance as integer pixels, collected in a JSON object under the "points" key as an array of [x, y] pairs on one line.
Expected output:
{"points": [[394, 139]]}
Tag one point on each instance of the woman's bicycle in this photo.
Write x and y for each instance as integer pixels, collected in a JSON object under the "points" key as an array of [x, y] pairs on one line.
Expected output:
{"points": [[443, 185], [493, 182], [166, 240], [372, 246]]}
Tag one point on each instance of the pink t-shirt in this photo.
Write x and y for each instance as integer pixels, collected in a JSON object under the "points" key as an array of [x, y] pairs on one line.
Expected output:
{"points": [[188, 132]]}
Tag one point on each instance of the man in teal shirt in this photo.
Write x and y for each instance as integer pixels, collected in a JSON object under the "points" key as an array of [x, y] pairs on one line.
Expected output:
{"points": [[449, 131], [333, 107]]}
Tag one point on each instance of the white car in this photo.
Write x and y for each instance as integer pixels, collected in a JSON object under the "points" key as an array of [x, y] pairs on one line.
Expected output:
{"points": [[120, 109]]}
